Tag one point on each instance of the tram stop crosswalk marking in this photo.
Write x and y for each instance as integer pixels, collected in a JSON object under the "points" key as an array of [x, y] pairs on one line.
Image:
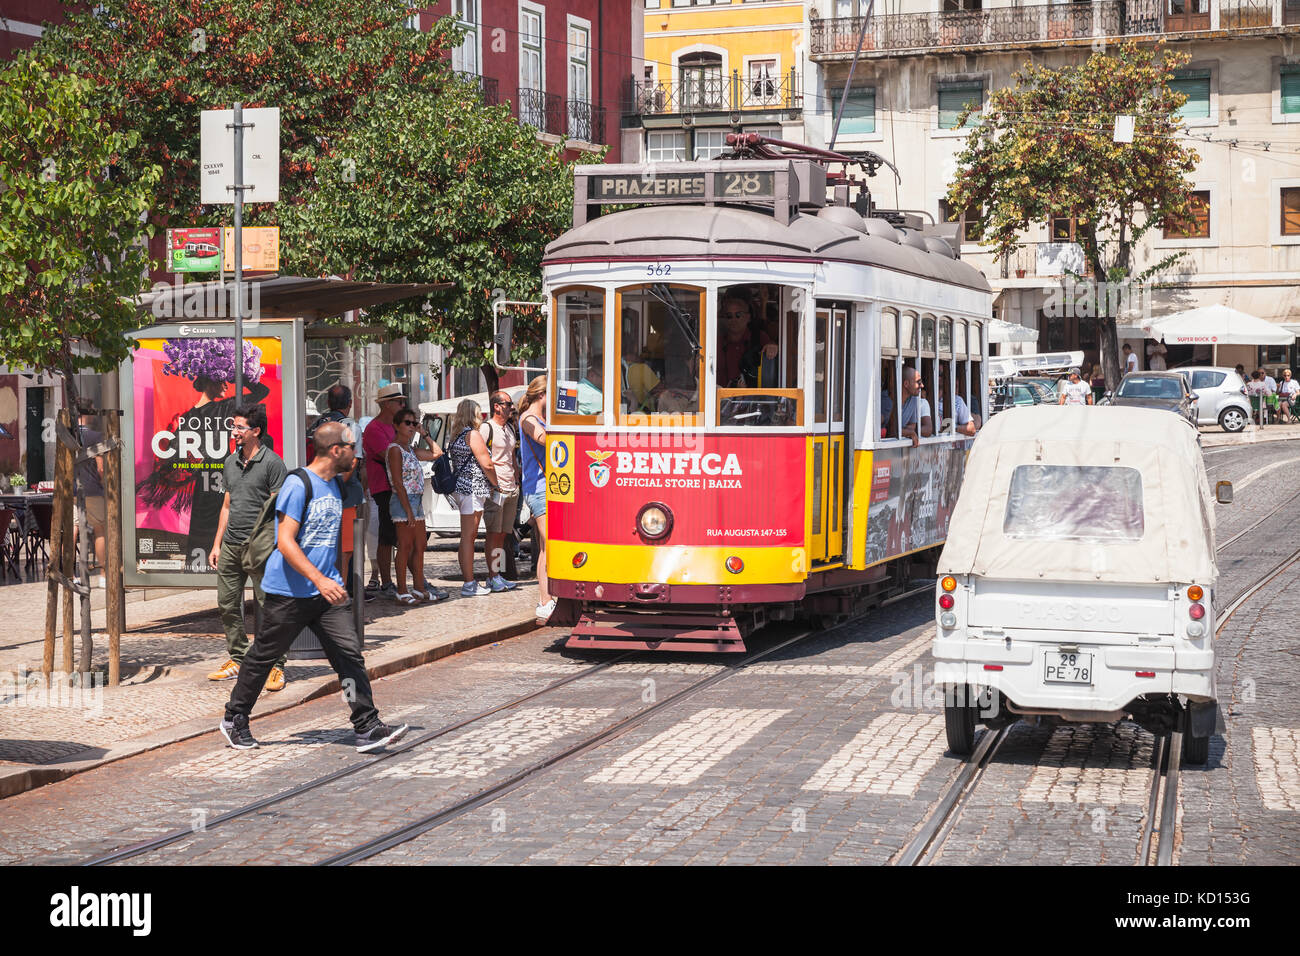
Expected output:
{"points": [[689, 749], [888, 757], [479, 752], [1277, 766]]}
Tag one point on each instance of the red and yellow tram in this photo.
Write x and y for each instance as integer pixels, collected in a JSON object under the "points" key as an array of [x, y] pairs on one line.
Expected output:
{"points": [[734, 365]]}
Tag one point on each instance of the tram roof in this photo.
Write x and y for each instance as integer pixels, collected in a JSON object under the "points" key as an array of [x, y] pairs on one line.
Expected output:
{"points": [[834, 233]]}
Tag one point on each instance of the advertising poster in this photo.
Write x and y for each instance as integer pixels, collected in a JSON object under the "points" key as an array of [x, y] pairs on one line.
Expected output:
{"points": [[183, 400], [194, 250], [721, 489], [913, 491], [261, 245]]}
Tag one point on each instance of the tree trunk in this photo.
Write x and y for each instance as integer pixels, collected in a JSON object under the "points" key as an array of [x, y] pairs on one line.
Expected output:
{"points": [[1108, 334], [491, 376]]}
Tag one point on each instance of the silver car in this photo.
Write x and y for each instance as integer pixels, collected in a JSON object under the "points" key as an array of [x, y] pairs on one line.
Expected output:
{"points": [[1221, 396]]}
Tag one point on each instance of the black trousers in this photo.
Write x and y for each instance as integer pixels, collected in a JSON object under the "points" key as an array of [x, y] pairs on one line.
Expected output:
{"points": [[282, 619]]}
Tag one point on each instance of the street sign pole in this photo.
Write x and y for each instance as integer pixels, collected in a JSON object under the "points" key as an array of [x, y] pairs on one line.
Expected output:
{"points": [[239, 253]]}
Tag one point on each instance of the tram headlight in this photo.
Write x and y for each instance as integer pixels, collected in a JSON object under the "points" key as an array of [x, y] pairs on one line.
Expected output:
{"points": [[654, 521]]}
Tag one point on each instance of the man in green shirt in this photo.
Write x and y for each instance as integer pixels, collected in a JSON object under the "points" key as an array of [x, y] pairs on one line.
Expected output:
{"points": [[252, 474]]}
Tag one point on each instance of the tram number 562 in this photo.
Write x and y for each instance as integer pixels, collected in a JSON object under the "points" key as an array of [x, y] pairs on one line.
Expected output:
{"points": [[659, 269]]}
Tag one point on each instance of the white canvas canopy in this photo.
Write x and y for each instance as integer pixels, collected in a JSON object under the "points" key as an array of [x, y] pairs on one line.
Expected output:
{"points": [[1216, 325], [1000, 331], [1075, 523]]}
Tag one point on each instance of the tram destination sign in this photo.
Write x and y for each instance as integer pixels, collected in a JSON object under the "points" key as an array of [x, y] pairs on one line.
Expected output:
{"points": [[758, 185]]}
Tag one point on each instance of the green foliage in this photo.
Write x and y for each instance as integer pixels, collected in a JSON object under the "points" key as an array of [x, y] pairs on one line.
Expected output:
{"points": [[426, 187], [71, 236], [1045, 147]]}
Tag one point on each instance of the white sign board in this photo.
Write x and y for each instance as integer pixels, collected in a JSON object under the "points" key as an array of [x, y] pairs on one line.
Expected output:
{"points": [[261, 155]]}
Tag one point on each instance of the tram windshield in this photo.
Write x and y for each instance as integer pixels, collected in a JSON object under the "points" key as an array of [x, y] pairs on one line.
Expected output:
{"points": [[579, 342], [757, 342], [661, 356]]}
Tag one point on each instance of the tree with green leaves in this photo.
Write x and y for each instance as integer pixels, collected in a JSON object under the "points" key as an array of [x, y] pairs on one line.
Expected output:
{"points": [[421, 188], [391, 168], [72, 230], [1047, 146]]}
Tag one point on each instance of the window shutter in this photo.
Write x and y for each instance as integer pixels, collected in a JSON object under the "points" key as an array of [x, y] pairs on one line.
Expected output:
{"points": [[859, 112], [1291, 89], [954, 99], [1196, 84]]}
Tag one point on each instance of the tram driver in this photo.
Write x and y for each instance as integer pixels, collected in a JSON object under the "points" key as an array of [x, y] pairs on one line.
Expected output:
{"points": [[746, 354], [916, 410]]}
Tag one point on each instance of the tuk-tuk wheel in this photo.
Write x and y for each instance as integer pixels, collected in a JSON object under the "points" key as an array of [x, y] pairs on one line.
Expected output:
{"points": [[959, 720], [1196, 750]]}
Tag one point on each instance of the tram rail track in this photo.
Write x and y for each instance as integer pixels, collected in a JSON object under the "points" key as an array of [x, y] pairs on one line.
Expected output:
{"points": [[1162, 803], [486, 795]]}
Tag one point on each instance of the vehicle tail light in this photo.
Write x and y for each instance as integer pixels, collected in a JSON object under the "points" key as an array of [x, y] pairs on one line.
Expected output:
{"points": [[735, 565], [1145, 673], [1196, 611], [1195, 593], [993, 667], [580, 559], [949, 583], [946, 602]]}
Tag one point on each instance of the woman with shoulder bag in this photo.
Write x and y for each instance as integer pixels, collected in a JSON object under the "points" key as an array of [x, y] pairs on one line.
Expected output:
{"points": [[532, 454], [475, 480], [407, 507]]}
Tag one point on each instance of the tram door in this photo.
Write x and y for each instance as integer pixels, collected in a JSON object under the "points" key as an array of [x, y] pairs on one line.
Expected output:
{"points": [[826, 452]]}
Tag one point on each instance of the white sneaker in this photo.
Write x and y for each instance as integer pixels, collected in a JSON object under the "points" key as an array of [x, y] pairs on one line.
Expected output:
{"points": [[474, 589], [543, 612]]}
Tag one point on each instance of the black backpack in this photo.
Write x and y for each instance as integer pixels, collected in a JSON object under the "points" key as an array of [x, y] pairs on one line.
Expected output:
{"points": [[261, 540]]}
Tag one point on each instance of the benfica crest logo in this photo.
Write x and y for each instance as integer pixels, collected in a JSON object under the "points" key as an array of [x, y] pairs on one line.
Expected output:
{"points": [[598, 469]]}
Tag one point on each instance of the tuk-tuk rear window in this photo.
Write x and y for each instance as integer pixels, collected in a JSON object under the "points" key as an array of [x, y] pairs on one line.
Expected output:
{"points": [[1075, 502]]}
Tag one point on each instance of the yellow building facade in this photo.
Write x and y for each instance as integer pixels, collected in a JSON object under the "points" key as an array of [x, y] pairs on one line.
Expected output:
{"points": [[712, 68]]}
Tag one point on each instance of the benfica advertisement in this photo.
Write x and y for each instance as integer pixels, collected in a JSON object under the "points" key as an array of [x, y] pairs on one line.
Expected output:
{"points": [[184, 399], [912, 494], [721, 489]]}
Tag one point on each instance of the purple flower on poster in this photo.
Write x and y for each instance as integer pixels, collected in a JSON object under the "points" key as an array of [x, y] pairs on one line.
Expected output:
{"points": [[213, 359]]}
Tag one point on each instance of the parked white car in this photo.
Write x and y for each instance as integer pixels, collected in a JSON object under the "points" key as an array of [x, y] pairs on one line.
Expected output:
{"points": [[1221, 396], [1078, 577]]}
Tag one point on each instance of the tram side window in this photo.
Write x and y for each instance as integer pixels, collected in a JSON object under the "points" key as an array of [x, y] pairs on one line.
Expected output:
{"points": [[890, 421], [980, 388], [579, 352], [660, 351], [757, 358]]}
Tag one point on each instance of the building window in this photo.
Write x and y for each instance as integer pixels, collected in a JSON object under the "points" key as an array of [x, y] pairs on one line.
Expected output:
{"points": [[665, 147], [710, 143], [954, 6], [954, 98], [1196, 85], [530, 50], [1291, 89], [701, 81], [859, 112], [1062, 228], [1291, 211], [968, 221], [579, 63], [1199, 227], [764, 82], [465, 56]]}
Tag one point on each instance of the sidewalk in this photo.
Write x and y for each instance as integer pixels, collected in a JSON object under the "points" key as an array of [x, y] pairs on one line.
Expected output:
{"points": [[1213, 436], [172, 643]]}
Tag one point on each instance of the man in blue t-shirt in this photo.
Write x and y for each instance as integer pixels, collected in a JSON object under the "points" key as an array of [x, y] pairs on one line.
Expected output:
{"points": [[303, 588]]}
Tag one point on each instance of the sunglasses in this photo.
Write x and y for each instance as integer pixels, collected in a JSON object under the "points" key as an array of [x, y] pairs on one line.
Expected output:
{"points": [[410, 421], [344, 444]]}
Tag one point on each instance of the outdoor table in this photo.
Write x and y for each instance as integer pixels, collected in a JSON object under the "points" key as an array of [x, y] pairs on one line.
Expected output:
{"points": [[21, 505]]}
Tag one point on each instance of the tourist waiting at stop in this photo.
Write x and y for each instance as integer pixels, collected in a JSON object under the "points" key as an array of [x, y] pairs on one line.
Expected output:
{"points": [[502, 504], [475, 480], [532, 454], [378, 436], [407, 507]]}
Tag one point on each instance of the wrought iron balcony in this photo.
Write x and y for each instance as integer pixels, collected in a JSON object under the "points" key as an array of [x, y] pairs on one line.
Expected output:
{"points": [[486, 86], [584, 121], [711, 92], [540, 110], [837, 38]]}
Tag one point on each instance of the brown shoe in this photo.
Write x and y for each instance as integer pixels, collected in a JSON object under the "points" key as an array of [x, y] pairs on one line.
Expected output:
{"points": [[227, 671], [275, 680]]}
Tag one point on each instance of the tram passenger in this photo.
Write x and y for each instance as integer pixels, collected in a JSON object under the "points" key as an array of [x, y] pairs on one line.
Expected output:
{"points": [[916, 409], [962, 419], [591, 388], [640, 383], [746, 356]]}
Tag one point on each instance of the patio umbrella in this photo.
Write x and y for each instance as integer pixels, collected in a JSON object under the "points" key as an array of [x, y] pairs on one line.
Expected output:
{"points": [[1216, 325]]}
